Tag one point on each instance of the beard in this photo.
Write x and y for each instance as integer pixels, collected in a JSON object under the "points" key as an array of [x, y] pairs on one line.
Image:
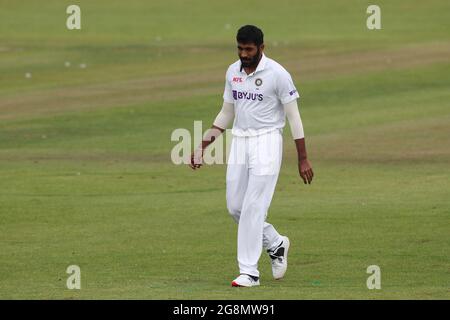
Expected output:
{"points": [[251, 62]]}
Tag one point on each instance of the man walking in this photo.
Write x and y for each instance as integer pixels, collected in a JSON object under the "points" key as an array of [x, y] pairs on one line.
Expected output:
{"points": [[259, 94]]}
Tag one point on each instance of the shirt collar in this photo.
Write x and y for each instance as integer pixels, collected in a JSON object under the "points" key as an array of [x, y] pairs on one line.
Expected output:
{"points": [[261, 64]]}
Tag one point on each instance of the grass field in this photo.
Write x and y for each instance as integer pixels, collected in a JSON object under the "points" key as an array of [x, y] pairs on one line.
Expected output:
{"points": [[85, 171]]}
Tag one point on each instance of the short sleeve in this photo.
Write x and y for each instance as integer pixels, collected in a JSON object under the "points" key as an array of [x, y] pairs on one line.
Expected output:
{"points": [[228, 93], [285, 87]]}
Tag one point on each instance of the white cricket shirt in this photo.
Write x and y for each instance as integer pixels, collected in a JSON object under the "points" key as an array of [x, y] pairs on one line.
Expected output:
{"points": [[259, 97]]}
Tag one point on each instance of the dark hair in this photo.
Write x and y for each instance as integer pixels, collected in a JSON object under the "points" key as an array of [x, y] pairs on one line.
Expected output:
{"points": [[250, 34]]}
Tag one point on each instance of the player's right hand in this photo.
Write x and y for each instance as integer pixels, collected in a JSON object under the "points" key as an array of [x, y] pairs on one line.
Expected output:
{"points": [[196, 159]]}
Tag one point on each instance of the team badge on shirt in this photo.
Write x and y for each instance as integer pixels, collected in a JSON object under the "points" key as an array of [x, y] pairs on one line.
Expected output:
{"points": [[258, 82]]}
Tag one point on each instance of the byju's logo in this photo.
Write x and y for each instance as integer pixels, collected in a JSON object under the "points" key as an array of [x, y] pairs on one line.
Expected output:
{"points": [[242, 95]]}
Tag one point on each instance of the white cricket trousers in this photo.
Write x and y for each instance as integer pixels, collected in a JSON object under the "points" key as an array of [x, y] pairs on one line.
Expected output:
{"points": [[252, 173]]}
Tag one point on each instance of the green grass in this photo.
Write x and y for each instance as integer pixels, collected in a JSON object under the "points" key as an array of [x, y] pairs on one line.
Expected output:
{"points": [[85, 170]]}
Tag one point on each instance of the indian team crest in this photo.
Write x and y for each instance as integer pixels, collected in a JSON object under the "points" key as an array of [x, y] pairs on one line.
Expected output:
{"points": [[258, 82]]}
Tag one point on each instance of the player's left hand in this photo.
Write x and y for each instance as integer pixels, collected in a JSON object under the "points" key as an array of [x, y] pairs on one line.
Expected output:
{"points": [[306, 171]]}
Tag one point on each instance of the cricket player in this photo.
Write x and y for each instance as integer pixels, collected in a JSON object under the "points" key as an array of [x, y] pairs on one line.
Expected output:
{"points": [[259, 94]]}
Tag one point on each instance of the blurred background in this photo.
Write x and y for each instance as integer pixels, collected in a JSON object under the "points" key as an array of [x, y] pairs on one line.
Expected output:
{"points": [[86, 177]]}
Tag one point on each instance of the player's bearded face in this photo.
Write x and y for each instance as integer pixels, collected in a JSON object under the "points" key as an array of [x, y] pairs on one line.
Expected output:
{"points": [[249, 56]]}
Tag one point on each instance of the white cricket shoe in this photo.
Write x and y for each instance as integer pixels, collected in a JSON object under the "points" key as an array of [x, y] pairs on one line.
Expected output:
{"points": [[279, 258], [244, 280]]}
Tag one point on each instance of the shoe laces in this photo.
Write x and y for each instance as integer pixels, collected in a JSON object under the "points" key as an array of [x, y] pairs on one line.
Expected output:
{"points": [[277, 254]]}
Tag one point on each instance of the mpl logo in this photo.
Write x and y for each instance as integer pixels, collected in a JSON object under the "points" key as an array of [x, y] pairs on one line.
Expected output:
{"points": [[237, 79]]}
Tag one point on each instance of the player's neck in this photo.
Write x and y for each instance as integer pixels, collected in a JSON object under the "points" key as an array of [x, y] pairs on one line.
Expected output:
{"points": [[250, 70]]}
